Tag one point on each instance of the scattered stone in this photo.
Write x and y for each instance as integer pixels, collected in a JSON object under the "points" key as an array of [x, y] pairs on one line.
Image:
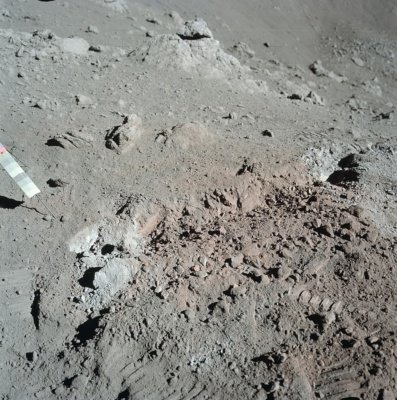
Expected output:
{"points": [[19, 52], [358, 61], [356, 104], [372, 87], [236, 260], [314, 98], [195, 52], [195, 30], [283, 272], [318, 69], [56, 183], [337, 307], [190, 315], [357, 211], [383, 115], [267, 133], [32, 356], [295, 96], [92, 29], [242, 51], [153, 20], [158, 289], [352, 160], [327, 230], [372, 235], [95, 48], [385, 394], [344, 177], [232, 115], [82, 100], [124, 137], [45, 104], [114, 276], [70, 140]]}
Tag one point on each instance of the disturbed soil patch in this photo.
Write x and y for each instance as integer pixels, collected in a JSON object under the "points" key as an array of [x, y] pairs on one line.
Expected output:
{"points": [[277, 286]]}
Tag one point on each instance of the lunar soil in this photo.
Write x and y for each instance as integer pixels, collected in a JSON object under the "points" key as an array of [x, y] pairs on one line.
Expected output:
{"points": [[218, 206]]}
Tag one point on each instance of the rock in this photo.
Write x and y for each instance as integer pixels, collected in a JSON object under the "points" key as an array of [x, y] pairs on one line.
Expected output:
{"points": [[242, 51], [295, 96], [158, 289], [249, 193], [356, 104], [84, 239], [74, 45], [314, 98], [357, 211], [283, 272], [372, 87], [385, 394], [124, 137], [189, 314], [45, 104], [56, 183], [32, 356], [327, 230], [153, 20], [69, 140], [114, 276], [236, 260], [318, 69], [95, 48], [267, 133], [352, 160], [79, 383], [19, 52], [232, 115], [195, 30], [372, 235], [305, 297], [205, 57], [358, 61], [337, 307], [82, 100], [92, 29]]}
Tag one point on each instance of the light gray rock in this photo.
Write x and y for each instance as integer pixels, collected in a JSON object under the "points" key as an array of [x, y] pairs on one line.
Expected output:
{"points": [[196, 29], [114, 276]]}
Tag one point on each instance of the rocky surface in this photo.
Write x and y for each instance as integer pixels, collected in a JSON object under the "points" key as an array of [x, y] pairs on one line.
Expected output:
{"points": [[217, 216]]}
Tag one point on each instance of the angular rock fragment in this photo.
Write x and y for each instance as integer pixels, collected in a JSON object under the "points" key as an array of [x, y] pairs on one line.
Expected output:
{"points": [[358, 61], [124, 137], [318, 69], [196, 29], [114, 276], [314, 98], [192, 50], [70, 140], [187, 135], [56, 183], [242, 51]]}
